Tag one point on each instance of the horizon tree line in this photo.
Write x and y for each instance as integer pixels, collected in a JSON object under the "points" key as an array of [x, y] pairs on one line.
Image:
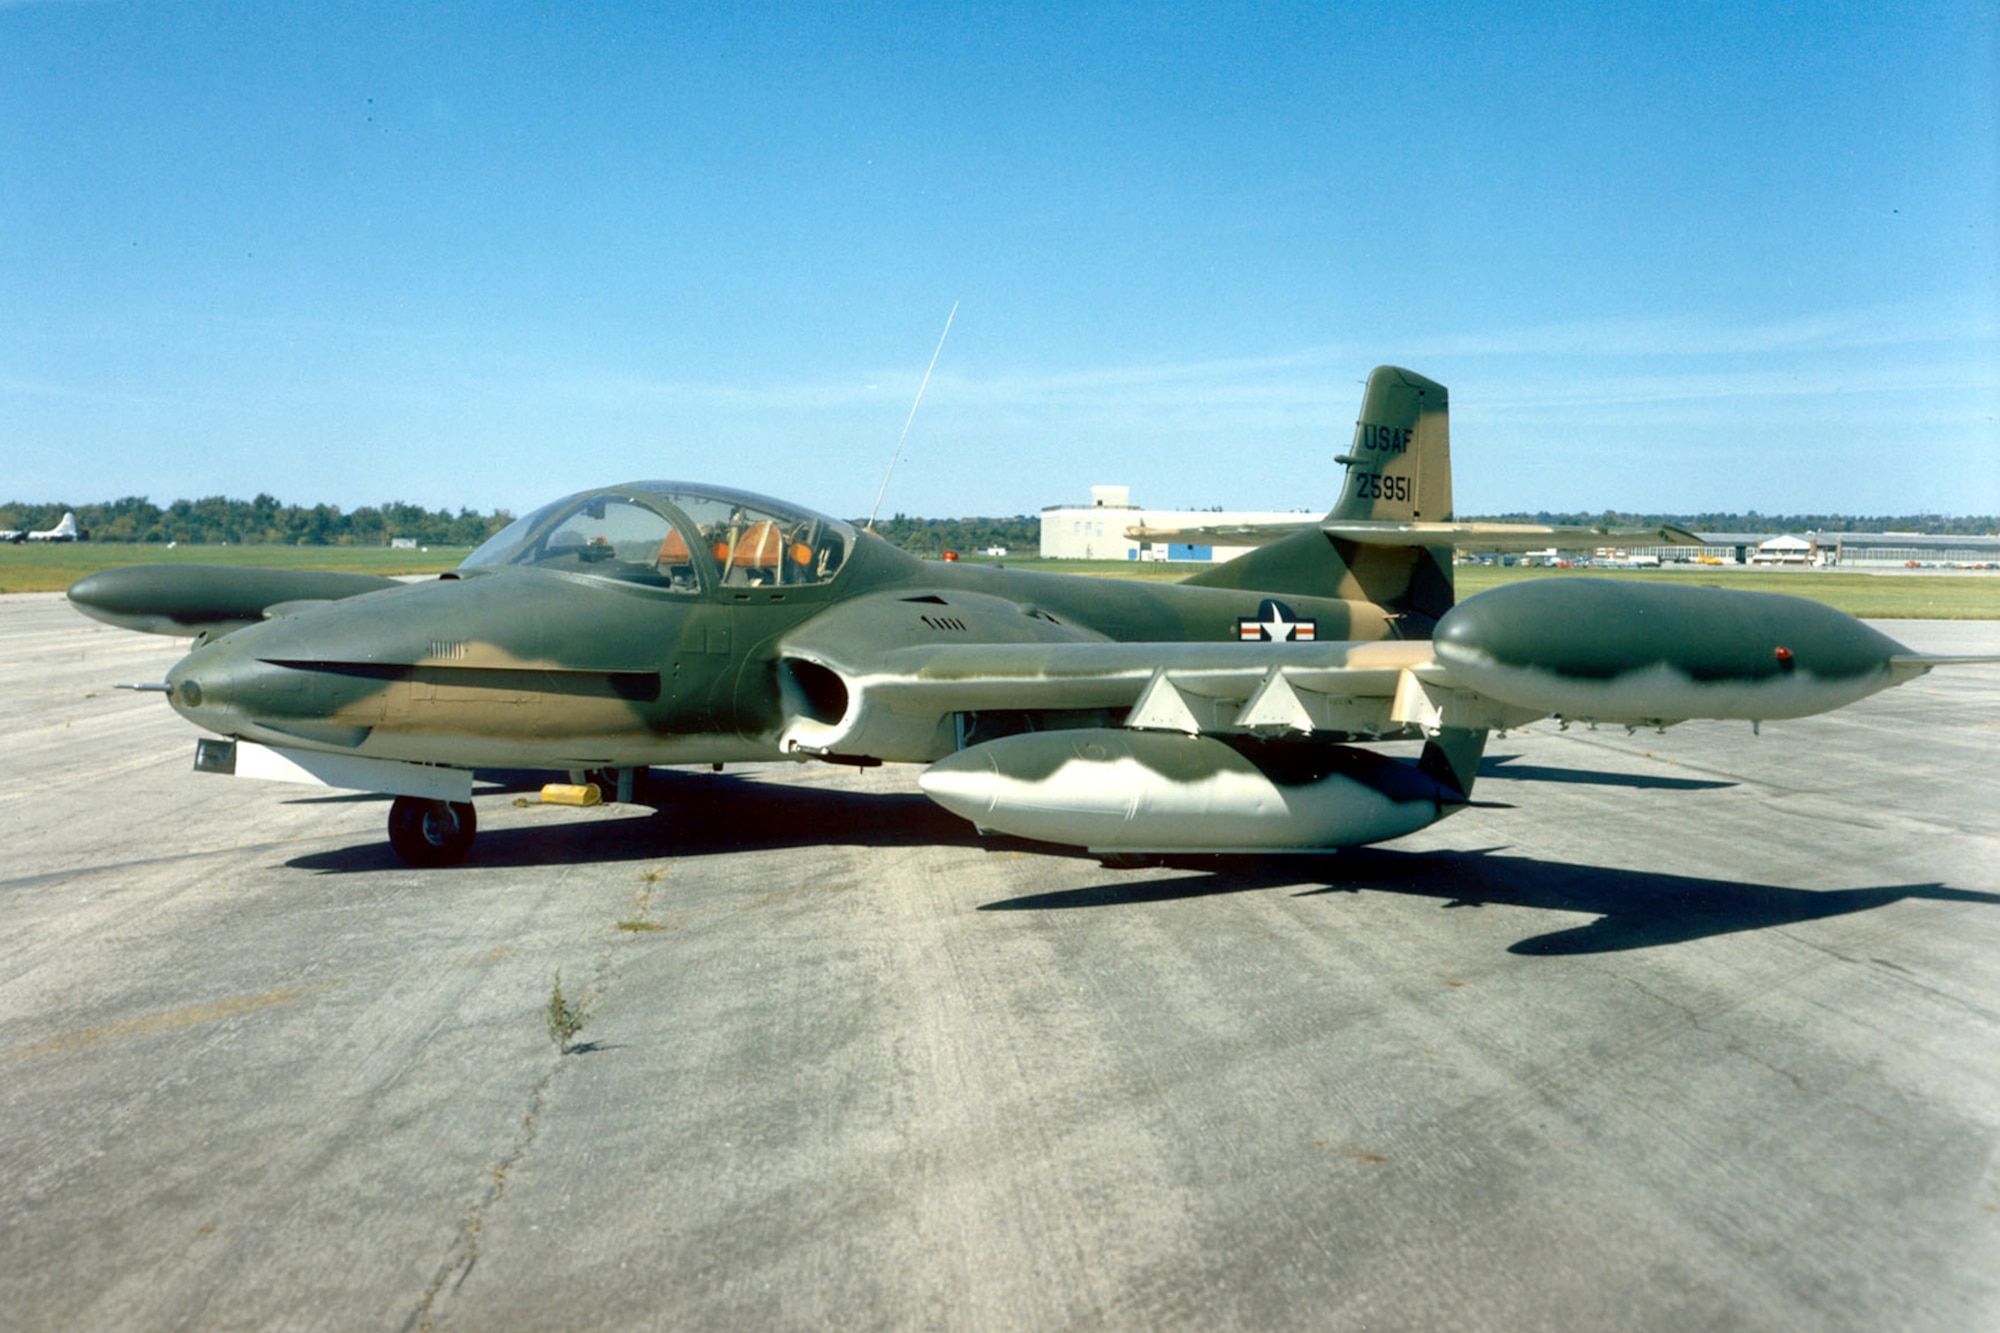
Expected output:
{"points": [[265, 520]]}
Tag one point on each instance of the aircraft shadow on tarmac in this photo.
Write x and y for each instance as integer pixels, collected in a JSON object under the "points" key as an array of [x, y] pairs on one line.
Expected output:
{"points": [[709, 815], [1503, 768], [697, 814], [1634, 909]]}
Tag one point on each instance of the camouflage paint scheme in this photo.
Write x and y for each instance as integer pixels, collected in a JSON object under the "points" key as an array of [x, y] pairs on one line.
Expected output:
{"points": [[662, 623]]}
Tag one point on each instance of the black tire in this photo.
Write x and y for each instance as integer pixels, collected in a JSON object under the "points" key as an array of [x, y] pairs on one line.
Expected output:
{"points": [[431, 833]]}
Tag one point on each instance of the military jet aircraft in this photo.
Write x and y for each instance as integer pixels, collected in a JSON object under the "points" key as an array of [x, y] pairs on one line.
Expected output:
{"points": [[663, 623]]}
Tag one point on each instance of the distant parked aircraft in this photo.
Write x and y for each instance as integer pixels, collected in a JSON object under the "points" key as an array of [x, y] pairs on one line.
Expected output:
{"points": [[64, 531]]}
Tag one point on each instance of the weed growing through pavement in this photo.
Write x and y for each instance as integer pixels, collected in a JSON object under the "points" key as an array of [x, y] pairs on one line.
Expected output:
{"points": [[566, 1019]]}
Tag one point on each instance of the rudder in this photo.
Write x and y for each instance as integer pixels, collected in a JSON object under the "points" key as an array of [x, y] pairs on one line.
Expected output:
{"points": [[1399, 468], [1398, 471]]}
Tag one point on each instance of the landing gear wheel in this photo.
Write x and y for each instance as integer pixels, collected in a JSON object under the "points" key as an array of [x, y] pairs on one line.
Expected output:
{"points": [[431, 833]]}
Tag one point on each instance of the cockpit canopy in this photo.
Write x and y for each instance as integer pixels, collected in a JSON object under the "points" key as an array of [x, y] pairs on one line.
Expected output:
{"points": [[669, 535]]}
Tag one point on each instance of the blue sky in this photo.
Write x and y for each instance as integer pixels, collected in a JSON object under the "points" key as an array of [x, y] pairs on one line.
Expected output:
{"points": [[1684, 257]]}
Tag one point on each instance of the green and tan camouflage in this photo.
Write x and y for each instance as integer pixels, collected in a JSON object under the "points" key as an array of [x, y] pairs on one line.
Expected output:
{"points": [[661, 623]]}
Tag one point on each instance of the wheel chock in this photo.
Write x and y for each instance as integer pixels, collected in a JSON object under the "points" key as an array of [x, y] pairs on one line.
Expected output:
{"points": [[572, 793]]}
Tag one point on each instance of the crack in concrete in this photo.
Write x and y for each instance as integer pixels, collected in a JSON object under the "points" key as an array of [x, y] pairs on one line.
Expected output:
{"points": [[463, 1253], [1739, 1045]]}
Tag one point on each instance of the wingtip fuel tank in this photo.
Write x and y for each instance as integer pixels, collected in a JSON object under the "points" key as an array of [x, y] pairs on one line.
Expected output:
{"points": [[1610, 650], [193, 599]]}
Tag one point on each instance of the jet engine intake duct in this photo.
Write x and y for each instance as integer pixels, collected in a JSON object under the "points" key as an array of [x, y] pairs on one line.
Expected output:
{"points": [[831, 713], [808, 689], [1148, 791]]}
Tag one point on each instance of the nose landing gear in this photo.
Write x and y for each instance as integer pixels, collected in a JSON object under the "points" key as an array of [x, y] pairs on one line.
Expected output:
{"points": [[430, 833]]}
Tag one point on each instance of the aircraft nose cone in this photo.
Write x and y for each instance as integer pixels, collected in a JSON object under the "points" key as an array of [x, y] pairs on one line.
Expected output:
{"points": [[199, 688], [224, 689]]}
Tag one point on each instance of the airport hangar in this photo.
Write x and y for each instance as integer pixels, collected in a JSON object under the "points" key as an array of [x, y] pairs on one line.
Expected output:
{"points": [[1837, 550]]}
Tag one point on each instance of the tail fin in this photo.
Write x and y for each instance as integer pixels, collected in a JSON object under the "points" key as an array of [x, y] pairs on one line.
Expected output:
{"points": [[1399, 469]]}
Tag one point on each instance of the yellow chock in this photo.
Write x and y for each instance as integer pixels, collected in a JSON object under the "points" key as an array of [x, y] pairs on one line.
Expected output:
{"points": [[566, 793]]}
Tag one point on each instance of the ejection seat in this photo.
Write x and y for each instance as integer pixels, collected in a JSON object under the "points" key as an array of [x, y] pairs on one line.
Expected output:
{"points": [[676, 561], [760, 554]]}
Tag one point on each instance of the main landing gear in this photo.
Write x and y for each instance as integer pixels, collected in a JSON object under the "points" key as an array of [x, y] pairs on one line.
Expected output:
{"points": [[429, 833]]}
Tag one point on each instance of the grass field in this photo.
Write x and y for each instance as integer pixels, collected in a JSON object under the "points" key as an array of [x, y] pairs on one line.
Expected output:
{"points": [[53, 566], [1889, 596]]}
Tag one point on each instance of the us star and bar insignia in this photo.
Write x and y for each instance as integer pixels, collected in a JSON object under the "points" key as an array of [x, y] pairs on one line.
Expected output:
{"points": [[1275, 623]]}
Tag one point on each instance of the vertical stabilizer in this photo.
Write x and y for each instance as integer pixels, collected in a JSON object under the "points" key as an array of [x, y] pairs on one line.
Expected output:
{"points": [[1399, 468], [1398, 471]]}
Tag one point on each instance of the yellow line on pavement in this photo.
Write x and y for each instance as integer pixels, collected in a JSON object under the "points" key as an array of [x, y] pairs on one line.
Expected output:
{"points": [[176, 1018]]}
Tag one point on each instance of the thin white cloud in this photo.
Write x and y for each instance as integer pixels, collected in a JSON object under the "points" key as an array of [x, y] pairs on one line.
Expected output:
{"points": [[1820, 354]]}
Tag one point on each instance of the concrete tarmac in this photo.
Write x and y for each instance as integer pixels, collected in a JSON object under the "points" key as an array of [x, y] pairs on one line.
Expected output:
{"points": [[1705, 1032]]}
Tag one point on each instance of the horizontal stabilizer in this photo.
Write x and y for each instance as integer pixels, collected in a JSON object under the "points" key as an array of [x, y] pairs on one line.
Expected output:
{"points": [[1504, 536], [1464, 536]]}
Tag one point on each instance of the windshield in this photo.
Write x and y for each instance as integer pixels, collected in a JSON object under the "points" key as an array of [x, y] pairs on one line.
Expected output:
{"points": [[674, 536]]}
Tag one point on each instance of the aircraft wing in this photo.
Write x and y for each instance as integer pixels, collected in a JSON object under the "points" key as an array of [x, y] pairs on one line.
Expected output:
{"points": [[1352, 690], [1464, 536], [1588, 650]]}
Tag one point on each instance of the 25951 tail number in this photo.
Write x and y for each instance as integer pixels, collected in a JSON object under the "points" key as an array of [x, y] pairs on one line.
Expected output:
{"points": [[1375, 486]]}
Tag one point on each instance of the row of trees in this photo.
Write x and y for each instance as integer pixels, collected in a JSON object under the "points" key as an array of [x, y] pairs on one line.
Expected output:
{"points": [[1942, 524], [264, 521], [261, 522], [1021, 535]]}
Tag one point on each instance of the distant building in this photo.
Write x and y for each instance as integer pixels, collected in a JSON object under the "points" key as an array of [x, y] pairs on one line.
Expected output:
{"points": [[403, 543], [1783, 550], [1099, 530], [1844, 550], [1891, 549]]}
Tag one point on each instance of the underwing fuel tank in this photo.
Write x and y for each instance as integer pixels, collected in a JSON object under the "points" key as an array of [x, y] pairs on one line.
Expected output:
{"points": [[1607, 650], [1158, 791]]}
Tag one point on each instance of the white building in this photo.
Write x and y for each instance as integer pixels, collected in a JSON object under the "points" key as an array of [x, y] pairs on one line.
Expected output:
{"points": [[1099, 530], [1783, 550]]}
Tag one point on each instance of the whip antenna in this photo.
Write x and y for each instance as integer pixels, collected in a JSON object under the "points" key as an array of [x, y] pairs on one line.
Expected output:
{"points": [[897, 457]]}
